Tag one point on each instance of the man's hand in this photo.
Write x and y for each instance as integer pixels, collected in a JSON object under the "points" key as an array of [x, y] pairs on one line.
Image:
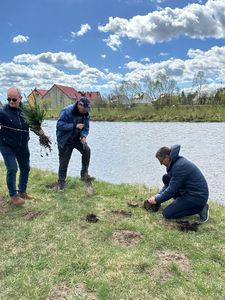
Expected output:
{"points": [[151, 200], [80, 126], [41, 132], [83, 140]]}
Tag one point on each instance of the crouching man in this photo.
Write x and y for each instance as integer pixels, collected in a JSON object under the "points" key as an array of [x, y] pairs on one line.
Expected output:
{"points": [[72, 130], [185, 183]]}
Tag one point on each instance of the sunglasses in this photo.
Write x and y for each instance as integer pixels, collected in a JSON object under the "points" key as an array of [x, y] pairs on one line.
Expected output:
{"points": [[12, 99]]}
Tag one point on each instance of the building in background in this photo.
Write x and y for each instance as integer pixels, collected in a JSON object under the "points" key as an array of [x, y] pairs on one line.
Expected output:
{"points": [[60, 96]]}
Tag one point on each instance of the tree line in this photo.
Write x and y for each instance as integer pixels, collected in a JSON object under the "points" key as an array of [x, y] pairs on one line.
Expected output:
{"points": [[160, 92]]}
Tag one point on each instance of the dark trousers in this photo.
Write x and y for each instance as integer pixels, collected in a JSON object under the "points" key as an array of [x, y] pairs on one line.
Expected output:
{"points": [[182, 206], [12, 158], [65, 155]]}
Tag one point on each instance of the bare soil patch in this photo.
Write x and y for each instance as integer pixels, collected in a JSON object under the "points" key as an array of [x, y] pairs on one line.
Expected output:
{"points": [[116, 215], [168, 256], [32, 214], [160, 272], [126, 238], [62, 291]]}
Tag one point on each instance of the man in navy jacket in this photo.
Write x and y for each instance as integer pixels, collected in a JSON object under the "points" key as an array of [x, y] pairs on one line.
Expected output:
{"points": [[72, 130], [14, 137], [185, 183]]}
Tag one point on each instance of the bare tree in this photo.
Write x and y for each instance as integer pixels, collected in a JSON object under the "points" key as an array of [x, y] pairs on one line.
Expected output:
{"points": [[126, 91], [162, 87], [198, 81]]}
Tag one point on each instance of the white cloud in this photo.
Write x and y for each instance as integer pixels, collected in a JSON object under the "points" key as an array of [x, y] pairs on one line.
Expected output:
{"points": [[83, 29], [20, 39], [163, 54], [43, 70], [64, 59], [103, 56], [145, 59], [127, 56], [194, 20], [113, 41]]}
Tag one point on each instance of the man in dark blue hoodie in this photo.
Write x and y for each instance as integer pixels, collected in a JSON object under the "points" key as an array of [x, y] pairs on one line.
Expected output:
{"points": [[185, 183], [72, 130], [14, 137]]}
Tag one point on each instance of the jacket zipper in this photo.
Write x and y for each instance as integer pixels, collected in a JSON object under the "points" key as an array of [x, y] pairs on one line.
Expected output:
{"points": [[18, 116]]}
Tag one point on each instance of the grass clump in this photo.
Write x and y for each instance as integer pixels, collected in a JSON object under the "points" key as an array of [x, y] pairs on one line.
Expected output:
{"points": [[57, 253]]}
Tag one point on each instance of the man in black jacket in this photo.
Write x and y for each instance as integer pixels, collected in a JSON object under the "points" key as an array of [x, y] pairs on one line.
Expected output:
{"points": [[14, 136], [72, 130], [185, 183]]}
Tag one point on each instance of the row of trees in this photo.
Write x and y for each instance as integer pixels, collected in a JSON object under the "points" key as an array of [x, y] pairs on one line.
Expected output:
{"points": [[163, 91]]}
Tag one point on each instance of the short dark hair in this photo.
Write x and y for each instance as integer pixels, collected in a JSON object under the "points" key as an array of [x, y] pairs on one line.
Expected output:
{"points": [[163, 152]]}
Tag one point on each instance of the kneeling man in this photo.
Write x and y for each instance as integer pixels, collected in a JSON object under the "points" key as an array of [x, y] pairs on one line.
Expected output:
{"points": [[185, 183]]}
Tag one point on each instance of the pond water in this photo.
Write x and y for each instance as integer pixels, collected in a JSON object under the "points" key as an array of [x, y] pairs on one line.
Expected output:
{"points": [[125, 152]]}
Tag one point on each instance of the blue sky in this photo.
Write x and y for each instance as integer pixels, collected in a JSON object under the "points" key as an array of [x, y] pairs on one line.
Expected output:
{"points": [[92, 45]]}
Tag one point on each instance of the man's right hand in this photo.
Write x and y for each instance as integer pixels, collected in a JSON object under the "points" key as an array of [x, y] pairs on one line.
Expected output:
{"points": [[80, 126]]}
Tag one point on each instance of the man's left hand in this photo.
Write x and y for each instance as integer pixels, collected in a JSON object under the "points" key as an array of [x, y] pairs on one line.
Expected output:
{"points": [[41, 132], [83, 140], [151, 200]]}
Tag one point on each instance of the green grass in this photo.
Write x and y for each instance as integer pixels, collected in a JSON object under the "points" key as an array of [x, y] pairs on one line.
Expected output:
{"points": [[60, 247], [151, 114]]}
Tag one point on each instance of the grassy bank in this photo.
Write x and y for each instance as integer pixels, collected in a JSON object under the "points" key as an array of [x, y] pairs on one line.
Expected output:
{"points": [[48, 250], [151, 114]]}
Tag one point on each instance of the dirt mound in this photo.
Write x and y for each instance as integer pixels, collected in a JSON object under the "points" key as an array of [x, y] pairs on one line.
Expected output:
{"points": [[63, 291], [169, 256], [126, 238]]}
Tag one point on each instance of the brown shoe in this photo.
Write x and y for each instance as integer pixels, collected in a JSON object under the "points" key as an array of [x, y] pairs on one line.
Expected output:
{"points": [[17, 200], [25, 196]]}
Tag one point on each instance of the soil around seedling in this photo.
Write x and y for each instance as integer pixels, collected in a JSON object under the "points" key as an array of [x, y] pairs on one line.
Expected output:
{"points": [[92, 218], [151, 207], [32, 214], [126, 238], [62, 291], [171, 256]]}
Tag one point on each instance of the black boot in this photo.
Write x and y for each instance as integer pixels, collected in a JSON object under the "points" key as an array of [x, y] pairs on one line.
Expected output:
{"points": [[84, 176]]}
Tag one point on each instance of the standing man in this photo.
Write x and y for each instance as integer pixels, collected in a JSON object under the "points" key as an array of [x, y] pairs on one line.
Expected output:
{"points": [[14, 137], [72, 131], [185, 183]]}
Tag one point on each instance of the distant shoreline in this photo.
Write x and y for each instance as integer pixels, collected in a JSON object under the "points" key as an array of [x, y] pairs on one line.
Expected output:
{"points": [[152, 114]]}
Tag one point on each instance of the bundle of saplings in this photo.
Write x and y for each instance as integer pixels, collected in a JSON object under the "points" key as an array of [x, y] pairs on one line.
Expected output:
{"points": [[33, 115]]}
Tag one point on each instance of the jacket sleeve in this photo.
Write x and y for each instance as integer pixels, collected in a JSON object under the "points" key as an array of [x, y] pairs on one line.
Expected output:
{"points": [[64, 123], [3, 116], [85, 130], [176, 182]]}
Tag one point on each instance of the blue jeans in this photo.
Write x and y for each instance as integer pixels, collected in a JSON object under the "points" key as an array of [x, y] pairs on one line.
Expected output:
{"points": [[12, 158], [182, 206]]}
